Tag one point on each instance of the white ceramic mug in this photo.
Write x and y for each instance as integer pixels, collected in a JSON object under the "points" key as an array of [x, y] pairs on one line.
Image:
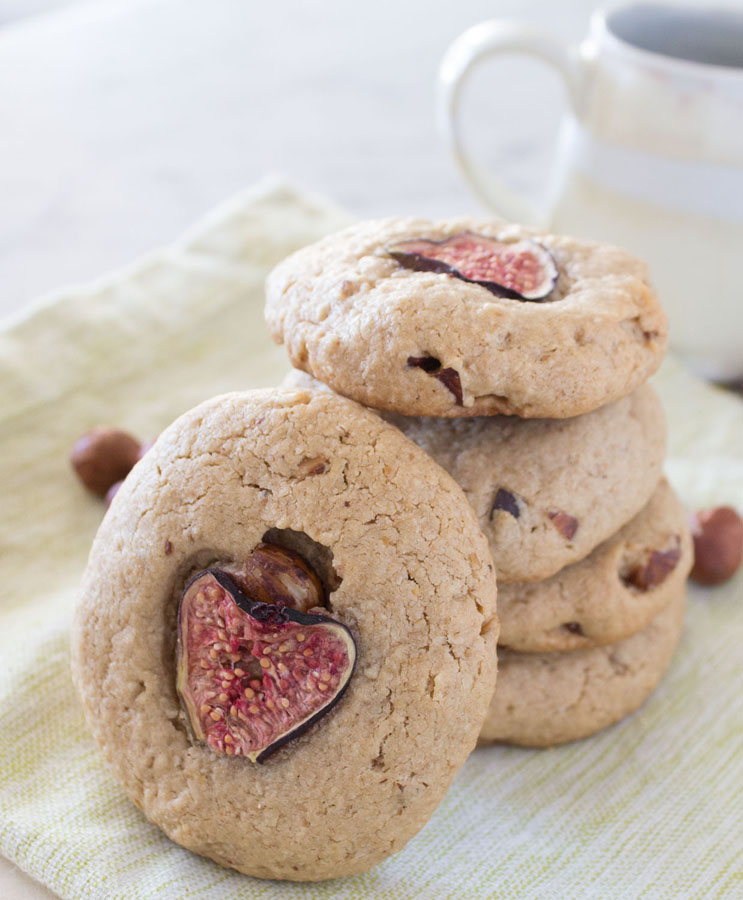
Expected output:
{"points": [[649, 155]]}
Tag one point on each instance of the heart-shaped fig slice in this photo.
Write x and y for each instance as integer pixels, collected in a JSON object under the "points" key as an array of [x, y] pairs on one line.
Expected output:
{"points": [[253, 675], [519, 270]]}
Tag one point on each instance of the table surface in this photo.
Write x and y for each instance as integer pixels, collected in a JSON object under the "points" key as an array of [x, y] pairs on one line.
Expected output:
{"points": [[124, 121]]}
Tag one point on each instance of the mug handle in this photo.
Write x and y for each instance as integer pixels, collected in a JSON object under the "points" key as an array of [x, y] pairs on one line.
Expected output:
{"points": [[470, 48]]}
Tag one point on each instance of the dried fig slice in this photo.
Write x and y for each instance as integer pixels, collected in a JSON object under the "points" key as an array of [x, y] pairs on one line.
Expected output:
{"points": [[253, 675], [506, 501], [519, 270], [448, 377]]}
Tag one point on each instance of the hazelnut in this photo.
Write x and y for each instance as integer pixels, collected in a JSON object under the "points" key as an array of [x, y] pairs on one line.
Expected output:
{"points": [[112, 492], [718, 544], [276, 575], [567, 525], [103, 456], [654, 570]]}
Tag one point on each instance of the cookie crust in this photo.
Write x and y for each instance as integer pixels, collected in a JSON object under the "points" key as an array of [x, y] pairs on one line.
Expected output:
{"points": [[607, 596], [417, 590], [352, 316], [544, 699]]}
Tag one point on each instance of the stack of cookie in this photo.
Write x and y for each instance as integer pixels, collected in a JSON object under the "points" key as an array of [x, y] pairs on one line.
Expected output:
{"points": [[518, 361], [302, 649]]}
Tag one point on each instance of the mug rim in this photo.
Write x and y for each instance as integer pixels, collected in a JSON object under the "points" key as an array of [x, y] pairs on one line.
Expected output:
{"points": [[601, 29]]}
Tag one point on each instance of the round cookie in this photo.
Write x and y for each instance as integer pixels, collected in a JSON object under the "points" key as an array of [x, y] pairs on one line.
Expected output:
{"points": [[546, 491], [544, 699], [609, 595], [430, 343], [407, 572]]}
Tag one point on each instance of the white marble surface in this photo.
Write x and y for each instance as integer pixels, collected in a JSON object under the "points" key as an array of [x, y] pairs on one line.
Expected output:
{"points": [[125, 120]]}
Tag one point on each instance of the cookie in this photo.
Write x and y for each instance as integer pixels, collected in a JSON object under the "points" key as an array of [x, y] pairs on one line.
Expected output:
{"points": [[403, 638], [544, 699], [353, 313], [609, 595], [546, 491]]}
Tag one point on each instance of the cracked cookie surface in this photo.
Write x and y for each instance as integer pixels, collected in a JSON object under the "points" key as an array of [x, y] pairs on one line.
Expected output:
{"points": [[612, 593], [428, 343], [415, 585], [543, 699]]}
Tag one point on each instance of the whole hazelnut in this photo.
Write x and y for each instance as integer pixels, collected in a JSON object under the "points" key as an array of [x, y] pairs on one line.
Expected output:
{"points": [[718, 544], [112, 492], [273, 574], [103, 456]]}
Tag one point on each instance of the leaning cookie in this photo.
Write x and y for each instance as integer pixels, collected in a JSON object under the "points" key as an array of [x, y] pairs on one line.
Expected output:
{"points": [[285, 643], [467, 317], [609, 595], [544, 699], [546, 491]]}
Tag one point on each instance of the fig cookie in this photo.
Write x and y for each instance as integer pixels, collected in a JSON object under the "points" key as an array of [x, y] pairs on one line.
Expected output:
{"points": [[546, 491], [286, 638], [609, 595], [544, 699], [467, 317]]}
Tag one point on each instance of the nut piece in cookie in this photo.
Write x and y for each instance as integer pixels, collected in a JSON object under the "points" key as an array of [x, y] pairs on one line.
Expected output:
{"points": [[278, 575], [654, 568]]}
